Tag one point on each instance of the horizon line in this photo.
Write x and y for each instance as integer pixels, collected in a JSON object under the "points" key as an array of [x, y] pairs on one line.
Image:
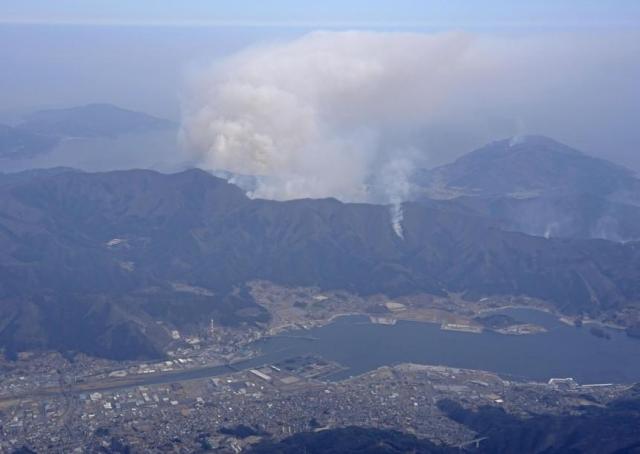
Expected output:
{"points": [[311, 24]]}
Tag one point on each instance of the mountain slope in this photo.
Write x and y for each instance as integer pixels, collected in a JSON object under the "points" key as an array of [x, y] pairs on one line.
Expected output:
{"points": [[530, 166], [568, 216], [591, 429], [99, 254], [538, 186]]}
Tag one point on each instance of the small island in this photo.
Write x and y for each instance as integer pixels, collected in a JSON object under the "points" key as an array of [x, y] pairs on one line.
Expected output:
{"points": [[505, 324]]}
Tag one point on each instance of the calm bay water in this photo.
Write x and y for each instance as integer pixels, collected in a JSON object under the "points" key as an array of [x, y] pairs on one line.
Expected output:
{"points": [[563, 351]]}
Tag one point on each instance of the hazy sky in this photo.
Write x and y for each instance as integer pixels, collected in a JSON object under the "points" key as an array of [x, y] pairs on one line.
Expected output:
{"points": [[138, 54], [445, 13]]}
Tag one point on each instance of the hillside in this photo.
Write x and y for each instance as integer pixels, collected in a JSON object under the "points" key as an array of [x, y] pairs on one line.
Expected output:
{"points": [[98, 254], [570, 216], [528, 166], [538, 186]]}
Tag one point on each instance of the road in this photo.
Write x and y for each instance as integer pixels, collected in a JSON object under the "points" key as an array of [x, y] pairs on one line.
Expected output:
{"points": [[157, 378]]}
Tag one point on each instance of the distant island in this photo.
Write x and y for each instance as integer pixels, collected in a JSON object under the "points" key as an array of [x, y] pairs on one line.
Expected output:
{"points": [[40, 131]]}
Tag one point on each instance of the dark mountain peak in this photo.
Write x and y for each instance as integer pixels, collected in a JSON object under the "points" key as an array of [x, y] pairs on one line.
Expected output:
{"points": [[528, 166]]}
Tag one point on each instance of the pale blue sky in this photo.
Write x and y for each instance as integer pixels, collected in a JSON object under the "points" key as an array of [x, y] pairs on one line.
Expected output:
{"points": [[353, 13]]}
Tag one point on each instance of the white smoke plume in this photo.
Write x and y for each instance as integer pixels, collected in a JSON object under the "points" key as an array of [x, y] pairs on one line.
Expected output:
{"points": [[323, 115], [395, 183], [333, 113]]}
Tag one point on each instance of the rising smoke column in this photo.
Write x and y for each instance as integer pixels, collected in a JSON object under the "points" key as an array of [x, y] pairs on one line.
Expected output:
{"points": [[323, 115], [394, 181]]}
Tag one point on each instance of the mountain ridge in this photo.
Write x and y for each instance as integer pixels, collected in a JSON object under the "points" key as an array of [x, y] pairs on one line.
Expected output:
{"points": [[57, 251]]}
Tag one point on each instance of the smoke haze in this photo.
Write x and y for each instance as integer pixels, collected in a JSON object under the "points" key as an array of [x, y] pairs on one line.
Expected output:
{"points": [[329, 113]]}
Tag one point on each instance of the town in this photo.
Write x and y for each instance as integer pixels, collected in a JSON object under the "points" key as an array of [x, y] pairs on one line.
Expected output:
{"points": [[232, 410]]}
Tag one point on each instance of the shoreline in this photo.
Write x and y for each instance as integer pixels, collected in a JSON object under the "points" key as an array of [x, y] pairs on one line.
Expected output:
{"points": [[392, 319]]}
